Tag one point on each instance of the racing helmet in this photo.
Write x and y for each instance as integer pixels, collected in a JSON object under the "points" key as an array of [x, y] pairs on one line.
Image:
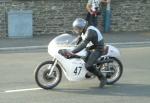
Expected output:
{"points": [[79, 25]]}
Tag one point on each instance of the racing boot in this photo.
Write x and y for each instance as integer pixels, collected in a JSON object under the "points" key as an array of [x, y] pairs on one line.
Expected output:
{"points": [[101, 77], [103, 81]]}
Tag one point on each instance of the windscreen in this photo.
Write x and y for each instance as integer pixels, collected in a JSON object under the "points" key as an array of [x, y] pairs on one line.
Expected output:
{"points": [[64, 39]]}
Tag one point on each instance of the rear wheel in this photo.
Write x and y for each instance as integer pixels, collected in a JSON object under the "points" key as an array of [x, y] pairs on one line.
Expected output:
{"points": [[43, 79], [112, 71]]}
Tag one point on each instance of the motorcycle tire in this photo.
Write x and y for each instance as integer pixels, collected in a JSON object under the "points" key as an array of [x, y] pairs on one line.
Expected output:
{"points": [[41, 73]]}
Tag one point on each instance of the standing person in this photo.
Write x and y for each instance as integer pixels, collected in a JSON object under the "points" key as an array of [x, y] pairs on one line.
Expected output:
{"points": [[93, 8], [90, 35]]}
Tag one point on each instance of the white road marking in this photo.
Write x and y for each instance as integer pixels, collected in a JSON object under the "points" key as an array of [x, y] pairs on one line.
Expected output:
{"points": [[22, 90]]}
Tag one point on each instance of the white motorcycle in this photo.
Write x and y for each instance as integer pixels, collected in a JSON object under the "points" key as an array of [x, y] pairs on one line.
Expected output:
{"points": [[48, 74]]}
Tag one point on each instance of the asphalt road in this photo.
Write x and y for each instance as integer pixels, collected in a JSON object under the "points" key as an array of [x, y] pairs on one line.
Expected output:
{"points": [[17, 83]]}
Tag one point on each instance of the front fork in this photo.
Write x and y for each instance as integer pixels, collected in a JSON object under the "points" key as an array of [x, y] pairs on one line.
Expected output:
{"points": [[51, 67]]}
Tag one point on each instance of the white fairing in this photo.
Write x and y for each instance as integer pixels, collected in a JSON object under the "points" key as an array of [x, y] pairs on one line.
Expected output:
{"points": [[74, 69]]}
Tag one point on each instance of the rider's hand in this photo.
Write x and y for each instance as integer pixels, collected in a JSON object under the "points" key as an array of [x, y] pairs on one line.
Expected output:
{"points": [[68, 54]]}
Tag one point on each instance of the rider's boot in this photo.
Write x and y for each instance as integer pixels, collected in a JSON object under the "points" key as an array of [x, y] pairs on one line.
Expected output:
{"points": [[103, 81], [101, 77]]}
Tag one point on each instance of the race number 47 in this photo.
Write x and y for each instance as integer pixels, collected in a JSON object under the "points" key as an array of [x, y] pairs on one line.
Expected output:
{"points": [[77, 70]]}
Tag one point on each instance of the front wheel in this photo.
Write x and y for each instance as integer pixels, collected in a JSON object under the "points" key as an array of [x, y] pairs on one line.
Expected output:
{"points": [[112, 70], [43, 79]]}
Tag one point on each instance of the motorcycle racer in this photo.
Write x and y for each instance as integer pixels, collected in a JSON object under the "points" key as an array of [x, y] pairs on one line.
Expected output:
{"points": [[88, 35]]}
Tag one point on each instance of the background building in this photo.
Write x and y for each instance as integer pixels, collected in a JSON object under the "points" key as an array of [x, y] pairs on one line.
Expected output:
{"points": [[56, 16]]}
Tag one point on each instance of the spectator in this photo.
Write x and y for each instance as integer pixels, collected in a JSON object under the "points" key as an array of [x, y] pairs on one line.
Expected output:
{"points": [[93, 8]]}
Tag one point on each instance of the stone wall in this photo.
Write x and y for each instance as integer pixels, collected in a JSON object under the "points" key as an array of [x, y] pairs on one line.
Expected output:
{"points": [[49, 16], [2, 20], [56, 16], [130, 15]]}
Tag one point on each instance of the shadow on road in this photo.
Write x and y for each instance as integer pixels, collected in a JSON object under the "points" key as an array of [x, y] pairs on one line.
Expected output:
{"points": [[114, 90]]}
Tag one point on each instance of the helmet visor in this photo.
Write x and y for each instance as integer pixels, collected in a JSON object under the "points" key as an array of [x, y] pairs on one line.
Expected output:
{"points": [[78, 30]]}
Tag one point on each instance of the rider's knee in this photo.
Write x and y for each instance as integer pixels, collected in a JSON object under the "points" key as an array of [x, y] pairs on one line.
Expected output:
{"points": [[89, 67]]}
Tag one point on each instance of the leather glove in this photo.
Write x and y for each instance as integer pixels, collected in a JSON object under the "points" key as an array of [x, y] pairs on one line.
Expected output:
{"points": [[67, 54]]}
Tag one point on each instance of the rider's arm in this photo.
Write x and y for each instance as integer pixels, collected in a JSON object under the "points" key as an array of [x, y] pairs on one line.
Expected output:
{"points": [[84, 43], [91, 47], [79, 39], [89, 6]]}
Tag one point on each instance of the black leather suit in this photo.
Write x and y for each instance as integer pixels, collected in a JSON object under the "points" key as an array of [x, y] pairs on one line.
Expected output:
{"points": [[94, 36]]}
